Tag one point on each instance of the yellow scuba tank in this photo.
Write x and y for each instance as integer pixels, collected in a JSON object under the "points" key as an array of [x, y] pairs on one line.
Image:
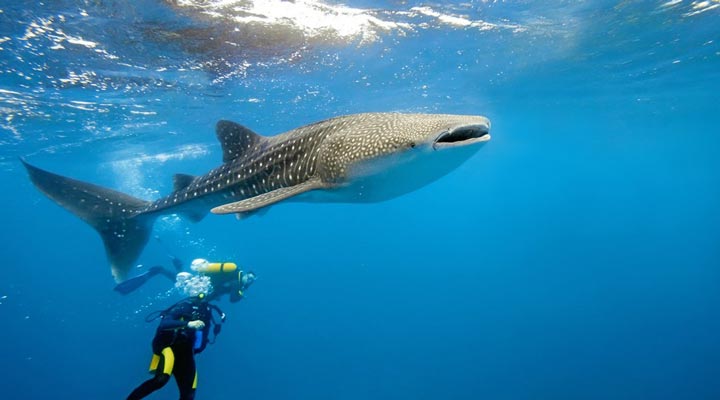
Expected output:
{"points": [[205, 267], [220, 273], [217, 268]]}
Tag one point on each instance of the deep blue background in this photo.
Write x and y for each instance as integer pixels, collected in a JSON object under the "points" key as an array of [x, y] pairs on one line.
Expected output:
{"points": [[576, 256]]}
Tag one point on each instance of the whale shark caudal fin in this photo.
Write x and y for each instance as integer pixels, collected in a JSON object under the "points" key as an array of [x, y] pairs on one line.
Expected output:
{"points": [[116, 216]]}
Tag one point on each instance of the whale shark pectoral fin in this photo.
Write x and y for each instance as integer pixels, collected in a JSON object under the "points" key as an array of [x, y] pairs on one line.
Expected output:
{"points": [[269, 198]]}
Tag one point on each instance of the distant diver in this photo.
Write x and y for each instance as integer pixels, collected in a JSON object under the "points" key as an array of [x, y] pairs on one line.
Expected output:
{"points": [[354, 158], [223, 278]]}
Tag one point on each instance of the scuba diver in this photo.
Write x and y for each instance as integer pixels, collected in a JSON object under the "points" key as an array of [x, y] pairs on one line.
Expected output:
{"points": [[183, 331], [225, 278]]}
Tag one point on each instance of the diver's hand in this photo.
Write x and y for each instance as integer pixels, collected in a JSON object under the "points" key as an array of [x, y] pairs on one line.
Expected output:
{"points": [[196, 324]]}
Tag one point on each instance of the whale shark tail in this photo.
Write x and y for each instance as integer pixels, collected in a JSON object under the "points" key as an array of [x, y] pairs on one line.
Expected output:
{"points": [[116, 216]]}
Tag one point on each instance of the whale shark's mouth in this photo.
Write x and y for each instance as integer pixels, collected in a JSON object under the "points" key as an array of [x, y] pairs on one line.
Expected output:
{"points": [[462, 136]]}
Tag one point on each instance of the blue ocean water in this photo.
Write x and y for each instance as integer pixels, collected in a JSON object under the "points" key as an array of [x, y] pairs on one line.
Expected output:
{"points": [[576, 256]]}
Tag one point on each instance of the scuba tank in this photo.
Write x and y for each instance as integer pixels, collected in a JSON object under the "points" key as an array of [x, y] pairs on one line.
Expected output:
{"points": [[205, 267]]}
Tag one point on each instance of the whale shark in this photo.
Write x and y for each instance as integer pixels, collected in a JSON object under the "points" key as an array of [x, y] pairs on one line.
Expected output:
{"points": [[358, 158]]}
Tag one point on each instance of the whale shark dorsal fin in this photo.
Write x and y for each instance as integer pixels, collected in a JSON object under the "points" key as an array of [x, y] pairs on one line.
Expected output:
{"points": [[269, 198], [181, 181], [235, 139]]}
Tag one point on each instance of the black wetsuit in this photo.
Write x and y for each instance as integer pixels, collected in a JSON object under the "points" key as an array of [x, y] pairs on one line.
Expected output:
{"points": [[174, 345]]}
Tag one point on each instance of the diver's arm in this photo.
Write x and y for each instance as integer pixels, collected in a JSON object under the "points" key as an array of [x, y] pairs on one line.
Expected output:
{"points": [[237, 291], [174, 319], [168, 324], [236, 295]]}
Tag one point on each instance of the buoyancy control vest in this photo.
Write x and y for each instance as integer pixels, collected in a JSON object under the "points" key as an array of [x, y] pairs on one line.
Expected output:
{"points": [[173, 329]]}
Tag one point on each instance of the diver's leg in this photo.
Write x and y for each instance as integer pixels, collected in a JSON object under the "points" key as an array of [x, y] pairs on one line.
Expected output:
{"points": [[184, 372], [162, 376]]}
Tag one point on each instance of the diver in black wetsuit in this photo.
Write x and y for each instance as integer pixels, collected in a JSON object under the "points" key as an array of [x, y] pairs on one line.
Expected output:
{"points": [[182, 333]]}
